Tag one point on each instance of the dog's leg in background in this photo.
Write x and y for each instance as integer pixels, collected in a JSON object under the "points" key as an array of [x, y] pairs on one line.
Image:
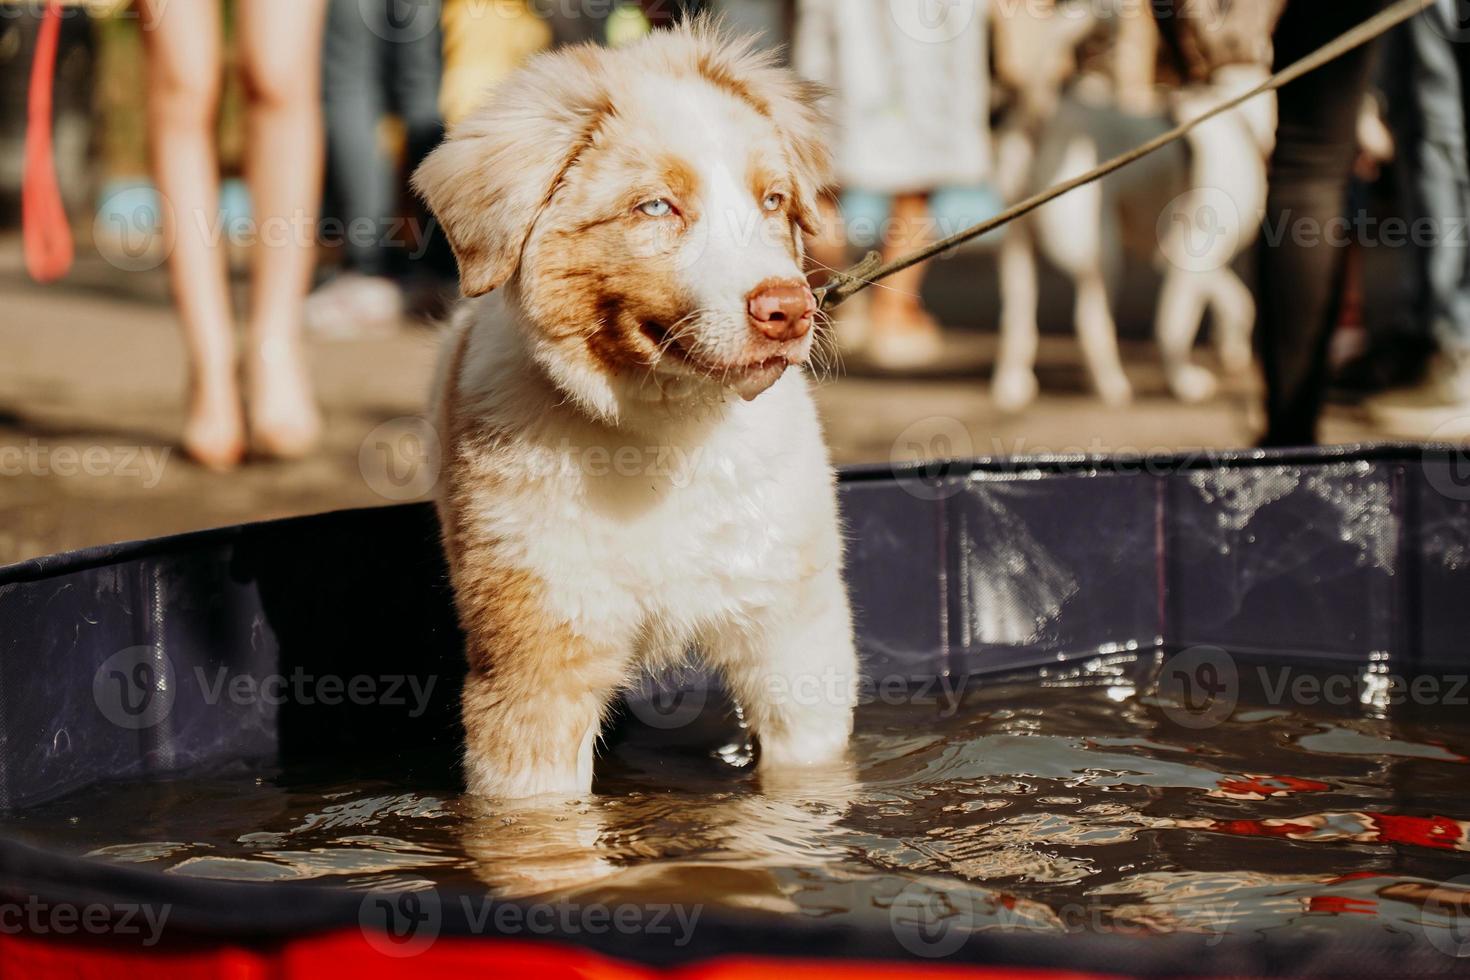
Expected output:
{"points": [[1014, 384], [1098, 335], [1234, 307], [794, 673], [1073, 232], [1182, 299]]}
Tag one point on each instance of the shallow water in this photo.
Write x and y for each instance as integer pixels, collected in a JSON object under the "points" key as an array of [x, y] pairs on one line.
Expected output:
{"points": [[1074, 798]]}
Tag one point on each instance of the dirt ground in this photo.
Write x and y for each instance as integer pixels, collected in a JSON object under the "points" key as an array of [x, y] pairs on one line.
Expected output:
{"points": [[92, 380]]}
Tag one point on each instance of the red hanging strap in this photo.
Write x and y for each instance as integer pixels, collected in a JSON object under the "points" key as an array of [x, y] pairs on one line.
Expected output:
{"points": [[45, 232]]}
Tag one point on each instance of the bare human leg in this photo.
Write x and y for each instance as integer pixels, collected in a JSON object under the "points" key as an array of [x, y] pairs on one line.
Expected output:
{"points": [[281, 42], [904, 335], [184, 46]]}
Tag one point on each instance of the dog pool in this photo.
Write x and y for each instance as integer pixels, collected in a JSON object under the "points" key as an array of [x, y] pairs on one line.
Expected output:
{"points": [[1049, 802], [1188, 715]]}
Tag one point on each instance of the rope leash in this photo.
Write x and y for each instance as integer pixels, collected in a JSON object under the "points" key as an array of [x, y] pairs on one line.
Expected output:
{"points": [[872, 268]]}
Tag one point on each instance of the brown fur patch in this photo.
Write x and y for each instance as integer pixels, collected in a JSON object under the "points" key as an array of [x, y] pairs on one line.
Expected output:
{"points": [[534, 685]]}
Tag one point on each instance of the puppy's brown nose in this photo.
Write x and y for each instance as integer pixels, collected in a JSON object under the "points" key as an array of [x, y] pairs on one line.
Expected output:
{"points": [[782, 310]]}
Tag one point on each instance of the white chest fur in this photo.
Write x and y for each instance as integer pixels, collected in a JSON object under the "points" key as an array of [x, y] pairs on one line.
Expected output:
{"points": [[655, 533]]}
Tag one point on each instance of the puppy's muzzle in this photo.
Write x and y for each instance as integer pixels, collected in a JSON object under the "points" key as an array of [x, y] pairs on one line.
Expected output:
{"points": [[782, 310]]}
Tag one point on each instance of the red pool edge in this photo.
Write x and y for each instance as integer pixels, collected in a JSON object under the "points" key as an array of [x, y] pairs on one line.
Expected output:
{"points": [[363, 956]]}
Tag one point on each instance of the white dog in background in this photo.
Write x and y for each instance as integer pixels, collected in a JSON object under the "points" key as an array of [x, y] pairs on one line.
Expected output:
{"points": [[634, 466], [1190, 212]]}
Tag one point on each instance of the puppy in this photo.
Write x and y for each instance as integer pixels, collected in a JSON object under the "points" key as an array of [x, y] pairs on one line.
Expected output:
{"points": [[634, 466]]}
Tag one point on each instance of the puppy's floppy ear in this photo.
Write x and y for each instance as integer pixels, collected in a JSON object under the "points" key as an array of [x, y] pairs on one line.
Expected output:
{"points": [[496, 171]]}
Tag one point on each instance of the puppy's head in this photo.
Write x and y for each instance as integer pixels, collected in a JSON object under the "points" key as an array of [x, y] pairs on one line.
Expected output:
{"points": [[646, 204]]}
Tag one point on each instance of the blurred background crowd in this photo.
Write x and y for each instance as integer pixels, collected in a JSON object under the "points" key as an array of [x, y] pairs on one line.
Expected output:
{"points": [[240, 288]]}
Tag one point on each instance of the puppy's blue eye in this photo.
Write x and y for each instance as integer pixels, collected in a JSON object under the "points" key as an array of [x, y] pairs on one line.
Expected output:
{"points": [[773, 202], [656, 209]]}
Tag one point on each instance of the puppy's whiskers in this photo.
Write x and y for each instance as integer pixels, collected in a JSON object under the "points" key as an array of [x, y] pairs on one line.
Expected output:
{"points": [[682, 328], [826, 353]]}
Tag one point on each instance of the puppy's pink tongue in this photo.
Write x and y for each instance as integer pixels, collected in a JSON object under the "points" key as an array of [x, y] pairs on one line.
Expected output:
{"points": [[754, 380]]}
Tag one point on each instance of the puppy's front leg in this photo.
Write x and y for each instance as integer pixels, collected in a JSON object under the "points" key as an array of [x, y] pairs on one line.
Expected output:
{"points": [[794, 672], [534, 698]]}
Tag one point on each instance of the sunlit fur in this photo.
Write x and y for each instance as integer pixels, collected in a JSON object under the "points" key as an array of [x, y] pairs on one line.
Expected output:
{"points": [[632, 470]]}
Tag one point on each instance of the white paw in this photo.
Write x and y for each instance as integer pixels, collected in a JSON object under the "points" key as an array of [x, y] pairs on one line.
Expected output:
{"points": [[1013, 389], [1192, 383], [1115, 390]]}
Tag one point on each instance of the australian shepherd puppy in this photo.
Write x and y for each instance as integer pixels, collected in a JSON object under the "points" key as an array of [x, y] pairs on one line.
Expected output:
{"points": [[634, 467]]}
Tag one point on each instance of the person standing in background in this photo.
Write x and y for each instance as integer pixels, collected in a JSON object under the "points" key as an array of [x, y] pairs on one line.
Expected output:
{"points": [[280, 46], [1301, 277], [479, 51], [1428, 76], [1301, 274], [911, 103], [379, 57]]}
